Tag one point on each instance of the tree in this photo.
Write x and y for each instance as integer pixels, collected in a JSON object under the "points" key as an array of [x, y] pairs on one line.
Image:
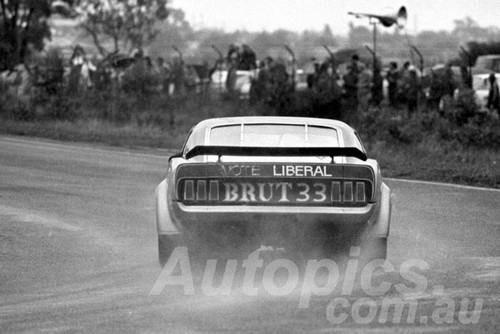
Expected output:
{"points": [[327, 37], [23, 24], [359, 35], [121, 25], [174, 31]]}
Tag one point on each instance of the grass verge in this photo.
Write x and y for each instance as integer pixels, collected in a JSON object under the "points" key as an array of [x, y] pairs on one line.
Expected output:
{"points": [[428, 160], [96, 131], [440, 162]]}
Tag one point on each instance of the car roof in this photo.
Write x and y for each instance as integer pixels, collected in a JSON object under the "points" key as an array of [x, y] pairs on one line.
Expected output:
{"points": [[199, 131], [489, 57], [485, 75], [212, 122]]}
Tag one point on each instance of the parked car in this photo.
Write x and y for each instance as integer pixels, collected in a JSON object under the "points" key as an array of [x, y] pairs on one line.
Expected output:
{"points": [[488, 62], [481, 86], [242, 85]]}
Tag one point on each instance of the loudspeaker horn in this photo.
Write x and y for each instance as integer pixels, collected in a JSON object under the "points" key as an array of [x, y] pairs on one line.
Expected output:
{"points": [[398, 18]]}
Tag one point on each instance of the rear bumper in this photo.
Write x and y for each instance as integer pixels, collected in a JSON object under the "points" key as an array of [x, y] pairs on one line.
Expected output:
{"points": [[187, 214], [174, 217]]}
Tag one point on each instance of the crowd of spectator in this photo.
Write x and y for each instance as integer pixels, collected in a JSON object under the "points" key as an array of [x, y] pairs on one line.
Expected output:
{"points": [[334, 90]]}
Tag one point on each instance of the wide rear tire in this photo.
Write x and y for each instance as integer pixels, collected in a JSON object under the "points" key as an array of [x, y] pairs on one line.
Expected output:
{"points": [[374, 248], [166, 246]]}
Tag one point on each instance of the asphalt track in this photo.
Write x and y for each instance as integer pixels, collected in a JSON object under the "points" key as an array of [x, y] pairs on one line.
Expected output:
{"points": [[78, 253]]}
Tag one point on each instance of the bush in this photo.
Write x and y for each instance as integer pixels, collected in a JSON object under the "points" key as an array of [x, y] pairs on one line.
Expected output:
{"points": [[140, 80], [463, 108], [48, 75], [472, 134]]}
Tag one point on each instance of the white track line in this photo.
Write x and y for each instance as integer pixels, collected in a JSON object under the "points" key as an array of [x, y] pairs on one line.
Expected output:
{"points": [[442, 184], [37, 218], [162, 153]]}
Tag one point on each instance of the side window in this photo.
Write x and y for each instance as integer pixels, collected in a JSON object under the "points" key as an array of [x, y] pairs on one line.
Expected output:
{"points": [[361, 146], [188, 143]]}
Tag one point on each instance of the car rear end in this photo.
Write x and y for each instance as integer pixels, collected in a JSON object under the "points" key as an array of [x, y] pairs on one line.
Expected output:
{"points": [[309, 192], [271, 180], [258, 173]]}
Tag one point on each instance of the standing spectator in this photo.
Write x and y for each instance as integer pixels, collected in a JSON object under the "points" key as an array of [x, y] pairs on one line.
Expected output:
{"points": [[259, 88], [356, 64], [377, 87], [493, 95], [392, 80], [280, 90], [403, 78], [448, 89], [435, 91], [231, 79], [329, 93], [233, 61], [178, 76], [151, 76], [248, 61], [78, 56], [466, 76], [365, 82], [163, 74], [350, 94], [81, 70], [449, 84], [215, 74], [413, 89], [191, 78], [310, 70], [233, 54]]}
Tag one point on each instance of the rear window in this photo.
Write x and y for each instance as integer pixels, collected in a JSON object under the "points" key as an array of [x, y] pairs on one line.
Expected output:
{"points": [[274, 135]]}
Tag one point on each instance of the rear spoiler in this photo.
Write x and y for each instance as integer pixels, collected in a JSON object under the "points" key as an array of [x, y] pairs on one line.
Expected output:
{"points": [[276, 151]]}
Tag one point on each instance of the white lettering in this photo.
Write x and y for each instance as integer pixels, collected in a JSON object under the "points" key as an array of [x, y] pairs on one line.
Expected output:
{"points": [[251, 264], [262, 191], [247, 193], [179, 256], [284, 187], [304, 192], [255, 170], [309, 287], [292, 277], [231, 192], [235, 170], [319, 171], [320, 193], [299, 170], [308, 171], [276, 173]]}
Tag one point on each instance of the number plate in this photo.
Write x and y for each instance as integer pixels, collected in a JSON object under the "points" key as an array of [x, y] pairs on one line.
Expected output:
{"points": [[267, 191], [291, 184]]}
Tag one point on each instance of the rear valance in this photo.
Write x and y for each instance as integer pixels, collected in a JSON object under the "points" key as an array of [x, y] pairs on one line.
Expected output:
{"points": [[276, 151]]}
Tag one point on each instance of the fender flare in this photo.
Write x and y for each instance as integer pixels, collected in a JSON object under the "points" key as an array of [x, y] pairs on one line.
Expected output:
{"points": [[382, 222], [164, 221]]}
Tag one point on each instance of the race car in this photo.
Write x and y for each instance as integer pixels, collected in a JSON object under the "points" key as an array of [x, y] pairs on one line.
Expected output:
{"points": [[304, 185]]}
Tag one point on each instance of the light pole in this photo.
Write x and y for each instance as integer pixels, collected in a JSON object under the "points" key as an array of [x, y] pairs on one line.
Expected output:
{"points": [[290, 51]]}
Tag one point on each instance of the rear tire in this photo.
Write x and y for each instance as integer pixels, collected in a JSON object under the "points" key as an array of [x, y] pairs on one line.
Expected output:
{"points": [[324, 241], [374, 248], [226, 241], [166, 246]]}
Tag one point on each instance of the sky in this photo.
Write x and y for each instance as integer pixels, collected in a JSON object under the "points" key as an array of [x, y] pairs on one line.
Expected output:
{"points": [[299, 15]]}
